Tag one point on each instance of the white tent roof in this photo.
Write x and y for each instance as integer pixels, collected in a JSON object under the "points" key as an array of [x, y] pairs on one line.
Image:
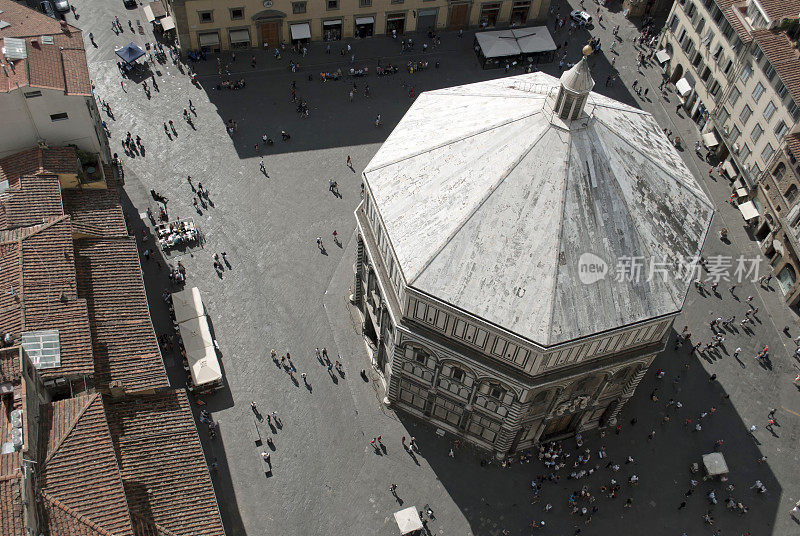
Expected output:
{"points": [[408, 520], [187, 304], [489, 206], [504, 43], [534, 39], [683, 87], [204, 365], [498, 44], [748, 210], [195, 334]]}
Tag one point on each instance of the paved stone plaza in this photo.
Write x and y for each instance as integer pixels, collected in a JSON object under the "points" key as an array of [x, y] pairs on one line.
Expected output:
{"points": [[283, 293]]}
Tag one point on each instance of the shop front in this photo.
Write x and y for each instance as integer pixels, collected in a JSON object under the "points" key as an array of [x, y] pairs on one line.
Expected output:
{"points": [[301, 33], [426, 20], [395, 23], [239, 37], [332, 30], [489, 15], [269, 23], [208, 41], [459, 16], [365, 27], [519, 13]]}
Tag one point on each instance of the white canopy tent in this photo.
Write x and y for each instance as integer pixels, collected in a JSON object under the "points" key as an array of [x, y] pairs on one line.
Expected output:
{"points": [[408, 520], [148, 13], [710, 140], [683, 87], [662, 56], [167, 23], [504, 43], [195, 334], [187, 304], [748, 210], [204, 366]]}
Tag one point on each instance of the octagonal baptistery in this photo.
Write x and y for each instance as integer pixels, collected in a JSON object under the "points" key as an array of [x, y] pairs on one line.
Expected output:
{"points": [[500, 236]]}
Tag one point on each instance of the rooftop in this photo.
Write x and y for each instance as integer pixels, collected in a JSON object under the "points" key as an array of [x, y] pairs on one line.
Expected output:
{"points": [[125, 345], [38, 161], [59, 65], [162, 465], [783, 56], [95, 212], [38, 292], [489, 204], [34, 200], [75, 435]]}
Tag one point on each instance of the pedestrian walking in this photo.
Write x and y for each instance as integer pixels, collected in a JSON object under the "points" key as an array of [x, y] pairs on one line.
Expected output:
{"points": [[263, 168]]}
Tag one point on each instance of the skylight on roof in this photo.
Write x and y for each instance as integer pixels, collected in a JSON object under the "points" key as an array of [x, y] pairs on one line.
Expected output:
{"points": [[14, 48], [47, 40], [4, 24], [43, 347]]}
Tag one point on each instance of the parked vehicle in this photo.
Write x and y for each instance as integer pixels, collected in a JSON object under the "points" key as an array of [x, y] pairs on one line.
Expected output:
{"points": [[47, 8], [129, 3], [578, 16], [62, 6]]}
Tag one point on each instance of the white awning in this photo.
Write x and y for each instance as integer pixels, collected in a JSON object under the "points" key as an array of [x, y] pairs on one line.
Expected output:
{"points": [[148, 13], [208, 39], [195, 334], [727, 167], [187, 304], [408, 520], [748, 210], [300, 31], [239, 36], [662, 56], [710, 140], [332, 23], [741, 192], [365, 20], [204, 366], [167, 23], [683, 87]]}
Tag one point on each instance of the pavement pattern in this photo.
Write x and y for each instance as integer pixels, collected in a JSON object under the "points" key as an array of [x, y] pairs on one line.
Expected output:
{"points": [[282, 293]]}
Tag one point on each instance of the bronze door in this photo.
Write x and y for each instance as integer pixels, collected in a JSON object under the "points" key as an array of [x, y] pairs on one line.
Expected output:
{"points": [[558, 426], [270, 33], [458, 16]]}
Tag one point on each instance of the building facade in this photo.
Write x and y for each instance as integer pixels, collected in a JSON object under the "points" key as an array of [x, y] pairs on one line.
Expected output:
{"points": [[474, 249], [45, 93], [213, 25], [777, 228], [736, 68]]}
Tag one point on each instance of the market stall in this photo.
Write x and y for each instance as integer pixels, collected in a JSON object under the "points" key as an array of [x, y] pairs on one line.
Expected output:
{"points": [[529, 45]]}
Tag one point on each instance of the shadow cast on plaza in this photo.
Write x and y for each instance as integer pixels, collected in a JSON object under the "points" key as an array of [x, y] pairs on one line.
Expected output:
{"points": [[494, 498], [265, 107], [156, 281]]}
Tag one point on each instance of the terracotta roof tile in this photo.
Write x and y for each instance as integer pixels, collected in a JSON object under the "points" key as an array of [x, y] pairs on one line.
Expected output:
{"points": [[162, 464], [10, 364], [34, 200], [36, 161], [784, 58], [78, 464], [61, 65], [59, 519], [11, 523], [26, 22], [95, 212], [780, 9], [125, 345], [38, 291], [793, 143]]}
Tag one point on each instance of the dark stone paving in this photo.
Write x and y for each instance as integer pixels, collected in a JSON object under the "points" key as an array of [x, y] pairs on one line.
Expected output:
{"points": [[282, 293]]}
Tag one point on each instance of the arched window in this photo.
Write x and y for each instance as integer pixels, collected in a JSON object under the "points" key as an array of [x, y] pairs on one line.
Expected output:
{"points": [[791, 193], [779, 170]]}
